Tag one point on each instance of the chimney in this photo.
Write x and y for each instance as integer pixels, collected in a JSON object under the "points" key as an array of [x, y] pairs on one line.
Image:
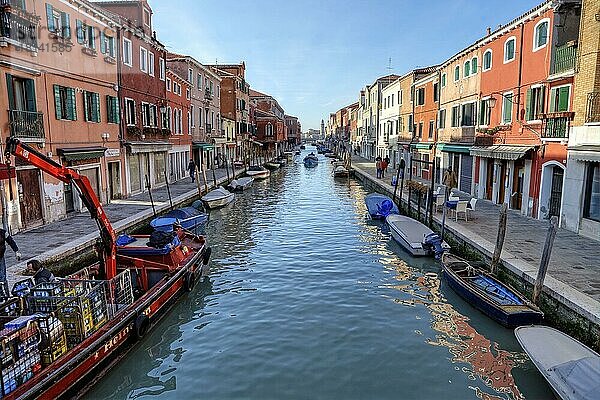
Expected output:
{"points": [[489, 31]]}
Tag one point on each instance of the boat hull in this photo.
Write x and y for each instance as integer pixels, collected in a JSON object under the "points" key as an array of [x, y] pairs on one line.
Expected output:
{"points": [[272, 165], [259, 174], [221, 202], [70, 375], [508, 316], [241, 184]]}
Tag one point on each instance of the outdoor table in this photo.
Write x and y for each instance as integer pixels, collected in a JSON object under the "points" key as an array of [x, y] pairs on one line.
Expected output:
{"points": [[451, 204]]}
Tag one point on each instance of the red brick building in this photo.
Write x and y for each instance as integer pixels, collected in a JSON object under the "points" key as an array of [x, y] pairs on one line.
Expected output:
{"points": [[177, 120], [270, 121], [294, 131]]}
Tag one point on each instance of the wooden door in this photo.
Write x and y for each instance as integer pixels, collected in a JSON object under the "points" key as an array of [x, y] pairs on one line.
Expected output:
{"points": [[502, 182], [30, 197], [517, 195], [489, 184], [556, 191]]}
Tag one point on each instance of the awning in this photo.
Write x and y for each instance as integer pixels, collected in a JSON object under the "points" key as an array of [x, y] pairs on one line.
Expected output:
{"points": [[82, 153], [148, 147], [501, 151], [255, 142], [421, 146], [202, 146], [454, 148], [590, 153]]}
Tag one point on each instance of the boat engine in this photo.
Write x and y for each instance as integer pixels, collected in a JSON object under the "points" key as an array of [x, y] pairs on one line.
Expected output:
{"points": [[433, 244]]}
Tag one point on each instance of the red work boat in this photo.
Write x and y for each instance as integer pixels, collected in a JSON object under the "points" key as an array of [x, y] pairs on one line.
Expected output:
{"points": [[60, 337]]}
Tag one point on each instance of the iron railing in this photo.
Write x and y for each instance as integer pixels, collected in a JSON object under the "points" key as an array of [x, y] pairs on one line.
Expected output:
{"points": [[564, 58], [208, 94], [556, 128], [28, 125], [592, 111], [18, 28]]}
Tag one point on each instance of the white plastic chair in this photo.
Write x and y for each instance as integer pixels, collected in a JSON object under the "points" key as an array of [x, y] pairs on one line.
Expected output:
{"points": [[471, 206], [461, 207]]}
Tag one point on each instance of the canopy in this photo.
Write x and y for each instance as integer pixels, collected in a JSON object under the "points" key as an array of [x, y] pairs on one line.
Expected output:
{"points": [[501, 151]]}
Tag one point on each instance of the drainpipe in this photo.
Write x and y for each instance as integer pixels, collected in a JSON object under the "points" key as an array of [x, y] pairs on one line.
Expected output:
{"points": [[520, 74]]}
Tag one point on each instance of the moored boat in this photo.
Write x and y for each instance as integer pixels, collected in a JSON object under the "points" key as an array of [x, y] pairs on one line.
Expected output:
{"points": [[483, 291], [311, 161], [191, 218], [380, 206], [240, 184], [340, 172], [59, 337], [415, 237], [218, 197], [258, 172], [571, 368], [272, 165]]}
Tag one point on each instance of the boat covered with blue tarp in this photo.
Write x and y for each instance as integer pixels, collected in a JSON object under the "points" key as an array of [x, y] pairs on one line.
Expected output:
{"points": [[380, 206], [191, 218], [483, 291]]}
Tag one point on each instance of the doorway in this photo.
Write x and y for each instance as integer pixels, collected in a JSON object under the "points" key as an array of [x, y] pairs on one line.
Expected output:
{"points": [[30, 198], [114, 180], [490, 177], [556, 191], [518, 179]]}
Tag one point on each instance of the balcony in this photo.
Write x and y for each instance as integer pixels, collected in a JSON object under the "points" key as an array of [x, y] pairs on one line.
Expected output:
{"points": [[556, 125], [27, 125], [17, 26], [208, 95], [592, 111], [564, 58], [208, 128]]}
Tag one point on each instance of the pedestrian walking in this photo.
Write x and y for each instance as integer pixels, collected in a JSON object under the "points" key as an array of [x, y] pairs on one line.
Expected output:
{"points": [[384, 165], [449, 180], [4, 239], [378, 165], [192, 169]]}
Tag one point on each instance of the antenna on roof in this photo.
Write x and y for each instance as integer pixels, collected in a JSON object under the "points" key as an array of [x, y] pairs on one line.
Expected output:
{"points": [[389, 67]]}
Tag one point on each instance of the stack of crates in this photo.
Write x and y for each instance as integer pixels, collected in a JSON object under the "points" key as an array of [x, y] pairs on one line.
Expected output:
{"points": [[45, 297], [54, 340], [19, 353]]}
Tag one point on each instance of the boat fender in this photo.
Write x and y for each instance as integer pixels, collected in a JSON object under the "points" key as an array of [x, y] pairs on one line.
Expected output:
{"points": [[141, 325], [189, 281], [206, 256]]}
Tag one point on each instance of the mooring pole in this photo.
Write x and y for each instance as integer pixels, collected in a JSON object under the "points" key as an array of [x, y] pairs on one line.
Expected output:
{"points": [[232, 168], [499, 237], [400, 168], [409, 186], [168, 188], [198, 182], [444, 214], [546, 253], [150, 194], [433, 168]]}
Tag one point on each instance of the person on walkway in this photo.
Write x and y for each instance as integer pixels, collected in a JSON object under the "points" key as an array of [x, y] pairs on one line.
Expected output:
{"points": [[40, 273], [384, 165], [378, 166], [449, 180], [192, 169], [4, 239]]}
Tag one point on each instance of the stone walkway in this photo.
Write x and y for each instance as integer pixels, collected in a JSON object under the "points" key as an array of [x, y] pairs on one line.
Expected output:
{"points": [[45, 239], [574, 259]]}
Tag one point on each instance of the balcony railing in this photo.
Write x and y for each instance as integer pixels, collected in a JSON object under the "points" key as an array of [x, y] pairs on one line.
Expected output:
{"points": [[564, 58], [27, 125], [208, 128], [556, 125], [19, 27], [208, 94], [20, 4], [592, 113]]}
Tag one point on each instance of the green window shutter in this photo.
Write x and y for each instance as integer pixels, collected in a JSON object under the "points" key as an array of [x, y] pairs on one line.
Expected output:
{"points": [[552, 107], [109, 109], [97, 107], [563, 98], [92, 36], [102, 44], [528, 106], [86, 116], [30, 94], [49, 17], [79, 29], [71, 105], [57, 102], [66, 25], [10, 89], [474, 65], [542, 100]]}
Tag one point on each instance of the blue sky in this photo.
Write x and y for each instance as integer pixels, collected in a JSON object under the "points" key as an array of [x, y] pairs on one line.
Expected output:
{"points": [[314, 56]]}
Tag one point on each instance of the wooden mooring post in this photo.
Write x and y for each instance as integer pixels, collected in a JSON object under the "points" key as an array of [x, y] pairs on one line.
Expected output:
{"points": [[499, 238], [545, 260]]}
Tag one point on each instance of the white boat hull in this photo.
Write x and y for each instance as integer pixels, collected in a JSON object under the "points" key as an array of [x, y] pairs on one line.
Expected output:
{"points": [[410, 233], [218, 198], [259, 174]]}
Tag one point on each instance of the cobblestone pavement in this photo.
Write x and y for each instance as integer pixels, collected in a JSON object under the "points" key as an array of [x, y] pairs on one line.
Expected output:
{"points": [[574, 260], [36, 241]]}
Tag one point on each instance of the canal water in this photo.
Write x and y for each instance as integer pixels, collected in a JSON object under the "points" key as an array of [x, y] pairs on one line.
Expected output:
{"points": [[309, 299]]}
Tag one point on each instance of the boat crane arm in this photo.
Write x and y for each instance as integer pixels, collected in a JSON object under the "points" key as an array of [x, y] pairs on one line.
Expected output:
{"points": [[68, 175]]}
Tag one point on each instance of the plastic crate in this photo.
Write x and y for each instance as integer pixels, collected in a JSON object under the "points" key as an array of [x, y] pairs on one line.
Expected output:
{"points": [[53, 338], [54, 351], [47, 289]]}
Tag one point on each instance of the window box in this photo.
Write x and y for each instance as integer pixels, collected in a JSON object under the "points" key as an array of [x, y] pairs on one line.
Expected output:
{"points": [[110, 60], [89, 52]]}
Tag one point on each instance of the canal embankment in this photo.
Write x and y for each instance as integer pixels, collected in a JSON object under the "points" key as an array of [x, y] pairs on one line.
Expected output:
{"points": [[570, 298], [66, 245]]}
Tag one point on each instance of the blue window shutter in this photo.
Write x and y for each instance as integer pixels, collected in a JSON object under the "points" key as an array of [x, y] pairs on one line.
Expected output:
{"points": [[79, 28], [66, 22], [86, 114], [97, 107], [93, 36], [30, 94], [57, 103], [71, 105], [102, 44], [49, 17]]}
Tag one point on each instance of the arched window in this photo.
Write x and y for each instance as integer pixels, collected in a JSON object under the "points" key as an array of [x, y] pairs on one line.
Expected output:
{"points": [[540, 37], [456, 73], [509, 49], [467, 70], [474, 62], [487, 60]]}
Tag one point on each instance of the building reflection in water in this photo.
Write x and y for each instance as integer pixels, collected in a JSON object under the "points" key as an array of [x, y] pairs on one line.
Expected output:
{"points": [[484, 359]]}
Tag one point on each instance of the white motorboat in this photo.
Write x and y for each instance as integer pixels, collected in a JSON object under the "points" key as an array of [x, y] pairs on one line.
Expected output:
{"points": [[415, 237], [340, 172], [219, 197], [571, 368], [240, 184], [258, 172]]}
